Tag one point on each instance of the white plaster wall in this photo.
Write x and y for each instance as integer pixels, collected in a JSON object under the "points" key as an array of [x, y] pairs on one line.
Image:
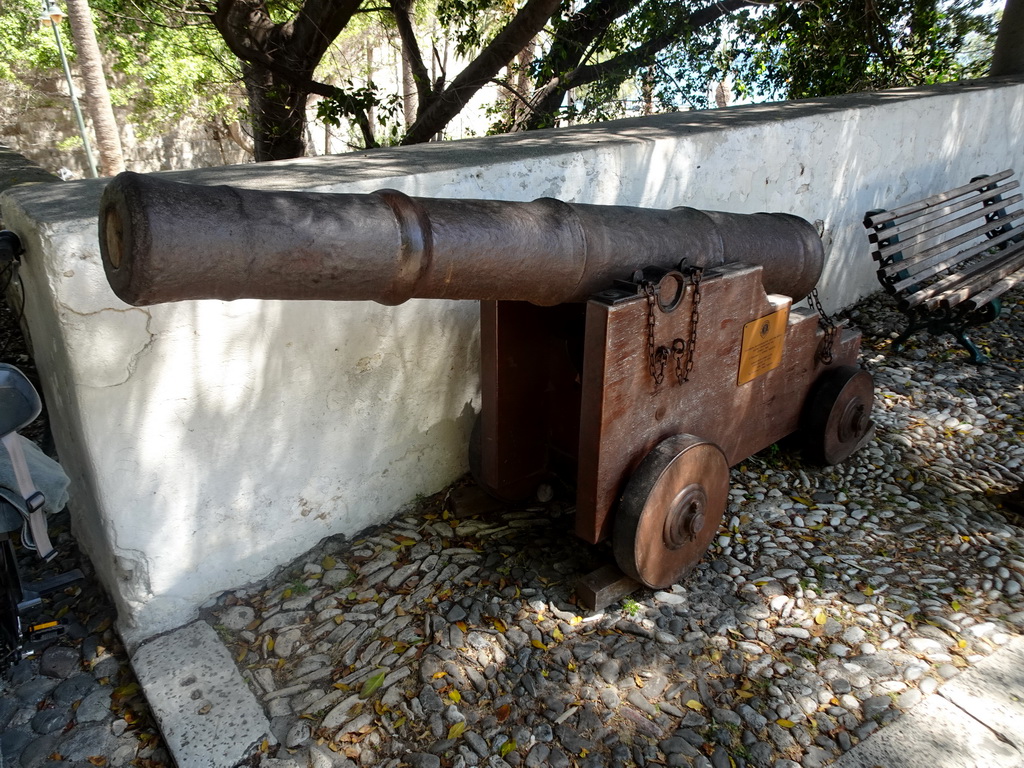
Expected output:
{"points": [[209, 442]]}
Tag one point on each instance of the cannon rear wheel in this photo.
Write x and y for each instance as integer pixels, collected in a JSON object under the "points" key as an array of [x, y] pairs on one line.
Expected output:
{"points": [[837, 417], [671, 510]]}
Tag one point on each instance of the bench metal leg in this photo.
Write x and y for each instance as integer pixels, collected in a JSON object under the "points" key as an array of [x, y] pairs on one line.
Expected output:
{"points": [[913, 326], [977, 356]]}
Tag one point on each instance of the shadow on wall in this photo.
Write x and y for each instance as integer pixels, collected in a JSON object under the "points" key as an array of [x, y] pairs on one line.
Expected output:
{"points": [[248, 431], [271, 425]]}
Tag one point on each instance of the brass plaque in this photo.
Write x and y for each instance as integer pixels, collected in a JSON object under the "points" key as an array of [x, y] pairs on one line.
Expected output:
{"points": [[763, 340]]}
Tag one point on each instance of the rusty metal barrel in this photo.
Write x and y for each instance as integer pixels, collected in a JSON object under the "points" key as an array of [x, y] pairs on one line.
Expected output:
{"points": [[166, 241]]}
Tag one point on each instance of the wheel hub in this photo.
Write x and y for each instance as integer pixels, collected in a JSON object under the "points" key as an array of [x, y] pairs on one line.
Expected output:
{"points": [[853, 421], [686, 516]]}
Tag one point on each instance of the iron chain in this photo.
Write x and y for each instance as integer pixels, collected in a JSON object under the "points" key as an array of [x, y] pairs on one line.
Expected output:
{"points": [[696, 275], [656, 357], [827, 324], [682, 351]]}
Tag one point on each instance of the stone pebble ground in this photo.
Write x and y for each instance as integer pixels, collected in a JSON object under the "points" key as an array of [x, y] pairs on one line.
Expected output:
{"points": [[77, 702], [833, 601]]}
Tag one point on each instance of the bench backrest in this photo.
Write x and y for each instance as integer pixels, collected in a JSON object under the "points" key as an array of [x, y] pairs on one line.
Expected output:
{"points": [[947, 248]]}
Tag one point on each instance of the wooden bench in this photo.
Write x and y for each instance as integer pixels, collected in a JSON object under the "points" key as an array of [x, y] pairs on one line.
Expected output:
{"points": [[948, 258]]}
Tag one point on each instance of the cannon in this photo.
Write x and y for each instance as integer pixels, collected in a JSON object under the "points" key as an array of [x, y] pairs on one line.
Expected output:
{"points": [[635, 354]]}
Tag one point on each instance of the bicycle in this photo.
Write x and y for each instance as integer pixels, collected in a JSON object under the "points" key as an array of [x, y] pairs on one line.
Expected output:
{"points": [[22, 507]]}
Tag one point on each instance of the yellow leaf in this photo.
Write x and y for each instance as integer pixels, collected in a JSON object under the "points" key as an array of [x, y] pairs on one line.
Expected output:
{"points": [[961, 643], [869, 591], [97, 760], [439, 675], [497, 623], [745, 694], [265, 746], [270, 644], [372, 684], [241, 654], [457, 729], [126, 690], [462, 625], [785, 723], [507, 747], [820, 617], [538, 644], [695, 705], [400, 722], [571, 666], [328, 563], [955, 605], [286, 594], [802, 500], [576, 620], [638, 680], [557, 634], [716, 655], [584, 752], [339, 618], [454, 695]]}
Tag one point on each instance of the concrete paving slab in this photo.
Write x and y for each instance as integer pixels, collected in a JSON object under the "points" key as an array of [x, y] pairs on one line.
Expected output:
{"points": [[208, 716], [993, 692], [935, 734]]}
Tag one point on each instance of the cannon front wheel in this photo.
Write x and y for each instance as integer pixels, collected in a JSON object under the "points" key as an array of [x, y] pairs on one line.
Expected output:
{"points": [[837, 417], [670, 510]]}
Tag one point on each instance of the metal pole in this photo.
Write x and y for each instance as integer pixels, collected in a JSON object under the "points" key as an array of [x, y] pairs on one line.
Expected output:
{"points": [[74, 102]]}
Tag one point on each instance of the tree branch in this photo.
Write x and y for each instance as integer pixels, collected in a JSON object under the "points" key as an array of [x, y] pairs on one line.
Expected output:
{"points": [[496, 55], [411, 49], [549, 97]]}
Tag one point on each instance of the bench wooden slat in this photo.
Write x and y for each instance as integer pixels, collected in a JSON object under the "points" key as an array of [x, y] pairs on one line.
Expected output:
{"points": [[876, 220], [995, 291], [910, 226], [977, 279], [924, 294], [921, 233], [930, 262]]}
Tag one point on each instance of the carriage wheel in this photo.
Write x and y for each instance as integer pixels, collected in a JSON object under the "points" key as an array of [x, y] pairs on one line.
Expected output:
{"points": [[671, 510], [837, 417]]}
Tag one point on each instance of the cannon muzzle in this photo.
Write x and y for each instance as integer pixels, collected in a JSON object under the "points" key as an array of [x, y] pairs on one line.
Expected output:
{"points": [[165, 241]]}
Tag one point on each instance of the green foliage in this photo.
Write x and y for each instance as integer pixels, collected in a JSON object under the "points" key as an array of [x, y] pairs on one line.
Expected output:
{"points": [[161, 70], [472, 22], [172, 67], [356, 103], [843, 46], [24, 46], [630, 607], [676, 58]]}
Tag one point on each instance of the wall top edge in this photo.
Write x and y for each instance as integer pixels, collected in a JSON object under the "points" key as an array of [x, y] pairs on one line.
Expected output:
{"points": [[77, 200]]}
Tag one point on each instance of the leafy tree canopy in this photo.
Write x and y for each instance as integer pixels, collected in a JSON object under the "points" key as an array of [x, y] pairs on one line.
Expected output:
{"points": [[166, 65]]}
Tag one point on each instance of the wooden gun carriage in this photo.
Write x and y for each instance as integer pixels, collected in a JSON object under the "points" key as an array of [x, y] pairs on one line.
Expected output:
{"points": [[635, 353]]}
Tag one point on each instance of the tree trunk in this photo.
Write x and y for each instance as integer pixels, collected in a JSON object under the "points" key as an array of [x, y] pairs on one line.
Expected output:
{"points": [[278, 113], [1008, 58], [278, 61], [97, 97]]}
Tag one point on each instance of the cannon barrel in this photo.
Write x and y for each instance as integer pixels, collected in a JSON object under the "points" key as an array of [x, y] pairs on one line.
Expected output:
{"points": [[166, 241]]}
